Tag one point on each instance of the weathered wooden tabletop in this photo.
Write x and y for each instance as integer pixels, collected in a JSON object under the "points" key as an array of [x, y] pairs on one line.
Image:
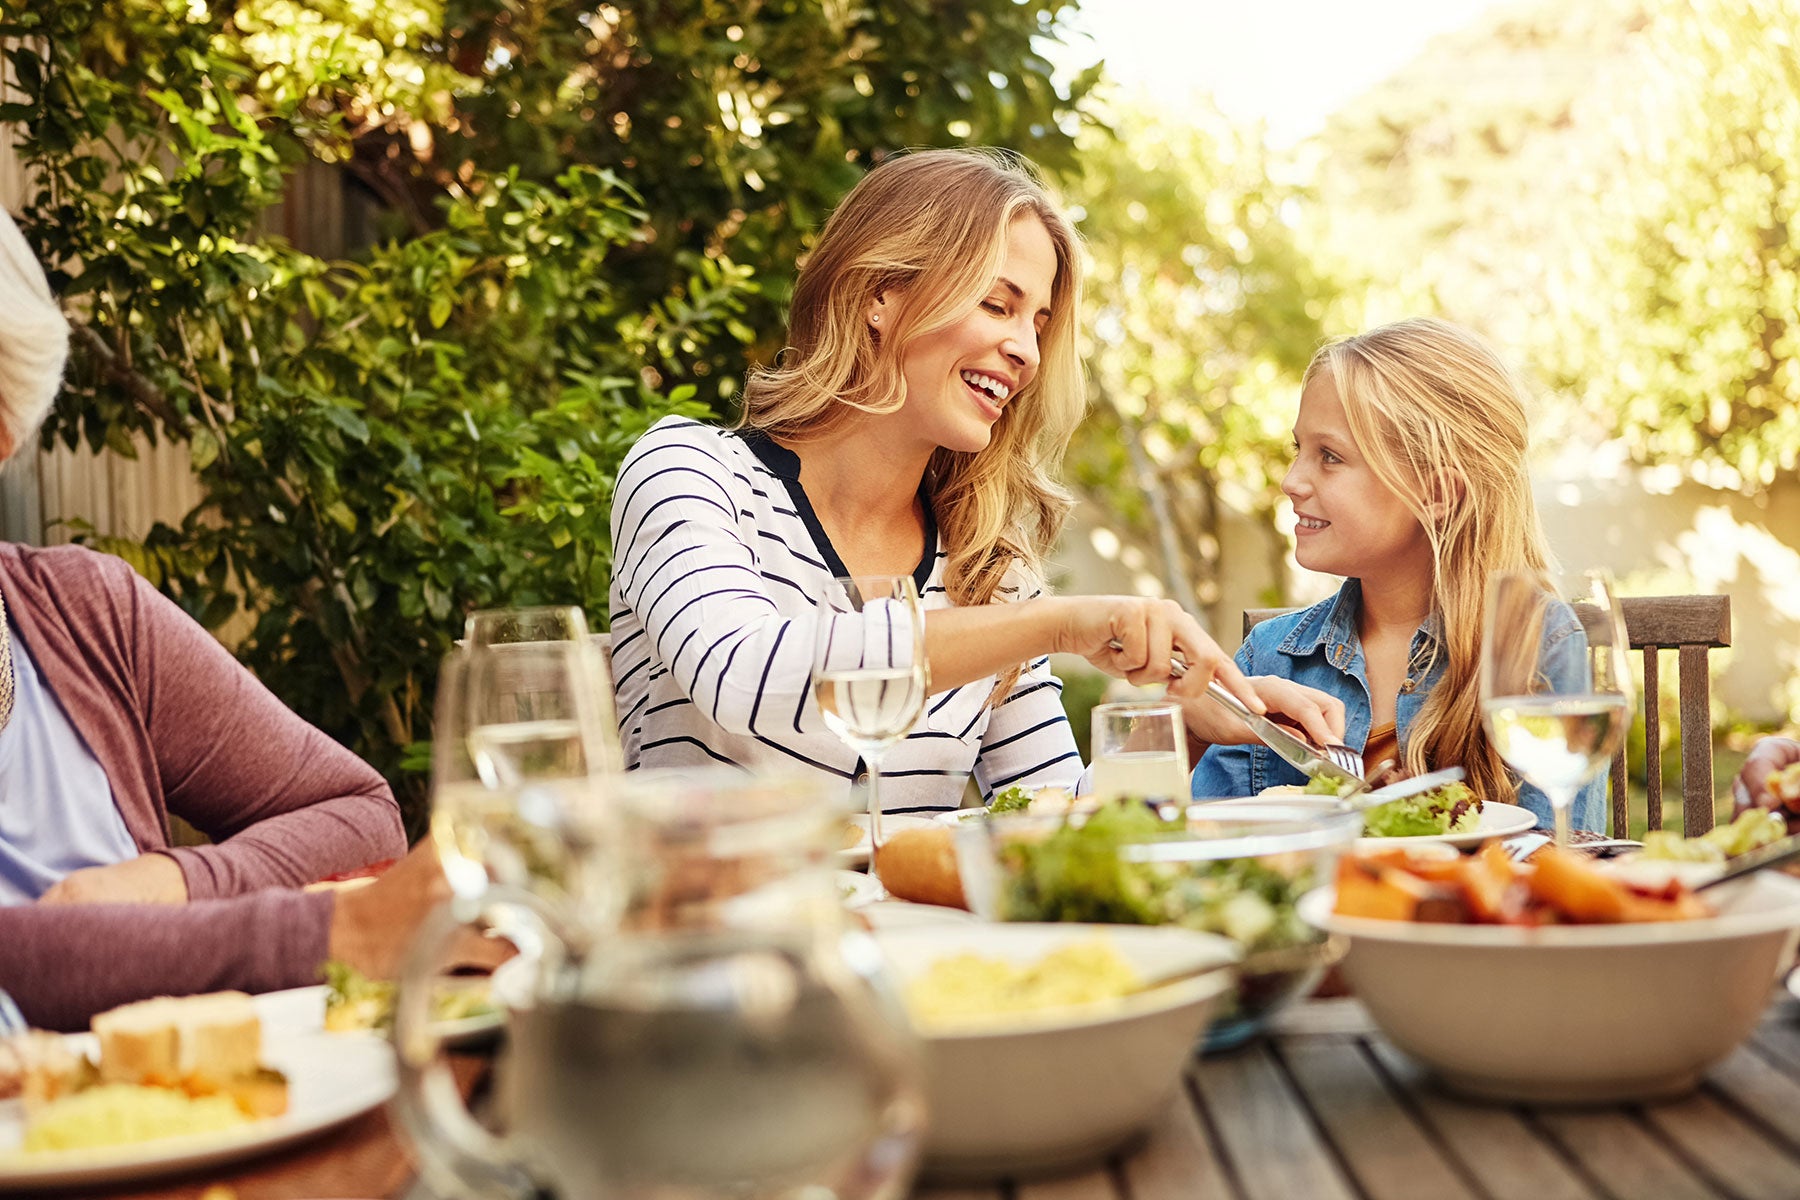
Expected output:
{"points": [[1324, 1109]]}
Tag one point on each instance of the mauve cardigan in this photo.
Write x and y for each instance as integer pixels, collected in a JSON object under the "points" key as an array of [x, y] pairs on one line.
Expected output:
{"points": [[181, 727]]}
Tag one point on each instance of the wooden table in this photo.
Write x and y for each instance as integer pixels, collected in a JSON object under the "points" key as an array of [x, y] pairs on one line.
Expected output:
{"points": [[1325, 1109]]}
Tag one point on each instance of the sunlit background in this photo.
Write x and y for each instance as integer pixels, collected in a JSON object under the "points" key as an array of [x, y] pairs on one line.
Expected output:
{"points": [[335, 240]]}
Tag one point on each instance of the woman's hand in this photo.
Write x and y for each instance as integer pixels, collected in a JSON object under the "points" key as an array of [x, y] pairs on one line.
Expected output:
{"points": [[1751, 789], [146, 879], [372, 926], [1318, 715], [1149, 634]]}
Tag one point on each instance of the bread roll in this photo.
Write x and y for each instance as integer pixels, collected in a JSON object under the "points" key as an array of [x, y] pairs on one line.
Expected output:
{"points": [[920, 865], [213, 1037]]}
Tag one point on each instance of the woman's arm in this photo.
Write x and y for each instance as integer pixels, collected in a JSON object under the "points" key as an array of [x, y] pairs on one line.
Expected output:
{"points": [[1028, 741], [65, 963], [284, 804]]}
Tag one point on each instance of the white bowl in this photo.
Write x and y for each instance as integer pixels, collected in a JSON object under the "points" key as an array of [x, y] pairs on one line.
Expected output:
{"points": [[1572, 1014], [1050, 1091]]}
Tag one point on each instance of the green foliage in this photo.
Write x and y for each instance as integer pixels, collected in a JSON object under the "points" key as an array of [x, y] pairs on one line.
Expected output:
{"points": [[389, 441], [1207, 310], [1681, 325]]}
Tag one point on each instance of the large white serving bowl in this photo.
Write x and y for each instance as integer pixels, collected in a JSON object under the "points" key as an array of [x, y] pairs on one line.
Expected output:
{"points": [[1572, 1014], [1042, 1092]]}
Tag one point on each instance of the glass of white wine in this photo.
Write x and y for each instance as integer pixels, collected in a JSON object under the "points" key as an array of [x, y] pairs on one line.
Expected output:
{"points": [[1140, 750], [544, 623], [869, 672], [1556, 720], [521, 749]]}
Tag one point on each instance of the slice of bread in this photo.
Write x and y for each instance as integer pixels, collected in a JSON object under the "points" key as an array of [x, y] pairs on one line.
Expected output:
{"points": [[200, 1044], [139, 1043]]}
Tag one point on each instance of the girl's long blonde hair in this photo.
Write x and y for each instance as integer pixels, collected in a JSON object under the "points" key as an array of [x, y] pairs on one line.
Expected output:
{"points": [[1441, 421], [932, 226]]}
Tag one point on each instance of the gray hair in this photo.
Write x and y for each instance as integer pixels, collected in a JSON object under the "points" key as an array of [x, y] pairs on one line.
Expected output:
{"points": [[34, 338]]}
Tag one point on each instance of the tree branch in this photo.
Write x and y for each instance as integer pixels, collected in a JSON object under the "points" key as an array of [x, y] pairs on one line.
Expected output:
{"points": [[144, 394]]}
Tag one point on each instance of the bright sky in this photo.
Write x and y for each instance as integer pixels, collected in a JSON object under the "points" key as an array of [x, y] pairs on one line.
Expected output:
{"points": [[1291, 63]]}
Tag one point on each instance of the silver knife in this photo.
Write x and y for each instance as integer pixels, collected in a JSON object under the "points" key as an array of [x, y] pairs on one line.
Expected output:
{"points": [[1301, 754]]}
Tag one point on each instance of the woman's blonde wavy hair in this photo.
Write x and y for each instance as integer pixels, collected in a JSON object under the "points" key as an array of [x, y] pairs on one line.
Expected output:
{"points": [[932, 226], [1441, 421]]}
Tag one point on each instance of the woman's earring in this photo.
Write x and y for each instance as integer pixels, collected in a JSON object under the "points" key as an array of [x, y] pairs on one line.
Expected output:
{"points": [[875, 319]]}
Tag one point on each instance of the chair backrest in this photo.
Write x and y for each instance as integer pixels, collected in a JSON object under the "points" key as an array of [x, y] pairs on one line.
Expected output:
{"points": [[1693, 627]]}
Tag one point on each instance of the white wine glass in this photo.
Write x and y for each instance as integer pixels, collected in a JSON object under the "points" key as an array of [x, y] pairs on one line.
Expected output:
{"points": [[522, 748], [544, 623], [869, 672], [1556, 715], [1140, 750]]}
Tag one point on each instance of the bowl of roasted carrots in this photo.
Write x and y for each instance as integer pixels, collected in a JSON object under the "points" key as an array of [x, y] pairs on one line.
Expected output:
{"points": [[1556, 981]]}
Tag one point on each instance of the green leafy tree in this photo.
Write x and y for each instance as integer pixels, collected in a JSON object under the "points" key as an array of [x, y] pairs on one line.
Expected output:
{"points": [[388, 441], [1678, 327], [1206, 310]]}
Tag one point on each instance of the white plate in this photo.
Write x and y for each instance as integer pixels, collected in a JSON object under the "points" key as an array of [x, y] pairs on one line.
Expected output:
{"points": [[331, 1079], [858, 854], [1793, 978], [857, 889], [1497, 820], [302, 1010]]}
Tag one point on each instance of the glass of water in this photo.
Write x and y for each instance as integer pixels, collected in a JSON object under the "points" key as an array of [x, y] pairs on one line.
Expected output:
{"points": [[1140, 751], [1556, 700]]}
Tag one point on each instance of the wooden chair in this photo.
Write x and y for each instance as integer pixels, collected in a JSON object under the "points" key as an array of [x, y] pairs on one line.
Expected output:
{"points": [[1693, 627]]}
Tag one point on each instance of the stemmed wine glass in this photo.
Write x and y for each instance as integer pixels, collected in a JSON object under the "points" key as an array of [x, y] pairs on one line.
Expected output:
{"points": [[523, 739], [1556, 720], [546, 623], [869, 672]]}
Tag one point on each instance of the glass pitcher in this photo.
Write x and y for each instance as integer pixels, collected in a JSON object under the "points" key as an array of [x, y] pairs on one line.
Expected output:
{"points": [[727, 1034]]}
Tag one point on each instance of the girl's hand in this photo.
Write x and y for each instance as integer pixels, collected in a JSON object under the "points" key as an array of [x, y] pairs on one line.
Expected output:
{"points": [[1319, 715], [1150, 633]]}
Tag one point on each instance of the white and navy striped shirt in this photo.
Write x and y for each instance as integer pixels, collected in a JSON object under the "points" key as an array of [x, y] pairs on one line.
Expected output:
{"points": [[719, 569]]}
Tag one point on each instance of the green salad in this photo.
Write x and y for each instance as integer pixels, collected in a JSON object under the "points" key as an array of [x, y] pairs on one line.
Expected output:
{"points": [[1010, 800], [1753, 828], [1077, 873], [1452, 808]]}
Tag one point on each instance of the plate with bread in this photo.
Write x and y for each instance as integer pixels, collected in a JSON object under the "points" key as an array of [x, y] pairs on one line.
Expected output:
{"points": [[176, 1084], [853, 848]]}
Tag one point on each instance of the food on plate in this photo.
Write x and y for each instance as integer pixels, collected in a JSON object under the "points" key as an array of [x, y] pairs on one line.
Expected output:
{"points": [[355, 1003], [1557, 888], [166, 1067], [1752, 828], [1784, 787], [853, 834], [1079, 873], [920, 865], [1044, 801], [113, 1114], [965, 989], [1452, 808]]}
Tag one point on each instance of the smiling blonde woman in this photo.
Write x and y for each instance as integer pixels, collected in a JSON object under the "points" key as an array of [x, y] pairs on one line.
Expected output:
{"points": [[913, 425]]}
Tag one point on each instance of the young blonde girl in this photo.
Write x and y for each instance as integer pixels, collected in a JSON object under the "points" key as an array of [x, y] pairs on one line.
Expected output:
{"points": [[1409, 479]]}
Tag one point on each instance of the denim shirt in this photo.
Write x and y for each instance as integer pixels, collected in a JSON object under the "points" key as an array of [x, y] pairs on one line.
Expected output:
{"points": [[1319, 647]]}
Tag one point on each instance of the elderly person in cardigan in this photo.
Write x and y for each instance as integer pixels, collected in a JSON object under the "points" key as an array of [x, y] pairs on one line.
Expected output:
{"points": [[117, 710]]}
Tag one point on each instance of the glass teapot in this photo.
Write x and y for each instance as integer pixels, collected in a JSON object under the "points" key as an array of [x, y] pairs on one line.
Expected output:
{"points": [[725, 1033]]}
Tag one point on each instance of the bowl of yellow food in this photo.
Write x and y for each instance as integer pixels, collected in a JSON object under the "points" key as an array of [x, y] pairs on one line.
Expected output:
{"points": [[1237, 871], [1049, 1046]]}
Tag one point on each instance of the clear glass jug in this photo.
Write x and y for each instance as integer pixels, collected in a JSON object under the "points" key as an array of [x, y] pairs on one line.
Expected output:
{"points": [[727, 1034]]}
